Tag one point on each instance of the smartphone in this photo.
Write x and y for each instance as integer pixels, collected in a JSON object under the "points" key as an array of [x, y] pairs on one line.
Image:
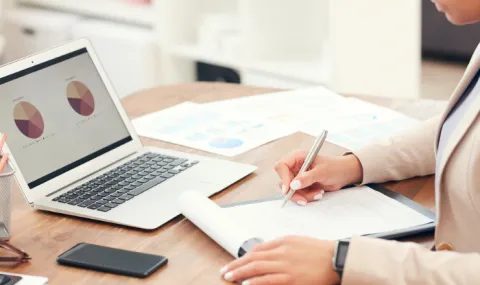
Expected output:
{"points": [[112, 260], [9, 279]]}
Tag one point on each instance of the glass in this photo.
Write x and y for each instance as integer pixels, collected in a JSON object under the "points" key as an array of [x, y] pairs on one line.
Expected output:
{"points": [[22, 255]]}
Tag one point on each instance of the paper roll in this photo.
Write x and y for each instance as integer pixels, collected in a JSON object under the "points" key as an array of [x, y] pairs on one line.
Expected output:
{"points": [[210, 218]]}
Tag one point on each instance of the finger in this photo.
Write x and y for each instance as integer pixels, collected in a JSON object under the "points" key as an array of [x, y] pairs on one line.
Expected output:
{"points": [[308, 178], [288, 166], [254, 269], [299, 198], [270, 279], [3, 138], [304, 196], [286, 175], [314, 195], [247, 258], [268, 245]]}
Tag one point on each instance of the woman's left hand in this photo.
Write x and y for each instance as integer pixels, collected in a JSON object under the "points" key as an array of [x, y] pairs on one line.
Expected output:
{"points": [[288, 260]]}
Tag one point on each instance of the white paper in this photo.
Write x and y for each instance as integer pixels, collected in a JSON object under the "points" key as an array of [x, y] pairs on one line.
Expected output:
{"points": [[294, 108], [340, 214], [208, 129], [28, 280], [361, 124], [352, 123], [209, 217]]}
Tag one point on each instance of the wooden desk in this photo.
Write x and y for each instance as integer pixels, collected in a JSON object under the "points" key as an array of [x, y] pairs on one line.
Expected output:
{"points": [[193, 257]]}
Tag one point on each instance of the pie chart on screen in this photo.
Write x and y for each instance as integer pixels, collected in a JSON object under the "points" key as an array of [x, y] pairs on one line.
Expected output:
{"points": [[80, 98], [28, 119]]}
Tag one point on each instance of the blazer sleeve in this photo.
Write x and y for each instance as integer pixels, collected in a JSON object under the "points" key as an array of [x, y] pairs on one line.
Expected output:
{"points": [[373, 261], [403, 156]]}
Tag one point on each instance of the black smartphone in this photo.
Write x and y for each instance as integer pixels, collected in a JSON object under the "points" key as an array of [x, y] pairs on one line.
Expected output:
{"points": [[112, 260], [9, 279]]}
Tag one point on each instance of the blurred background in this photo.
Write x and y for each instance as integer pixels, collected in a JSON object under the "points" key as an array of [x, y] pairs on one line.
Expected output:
{"points": [[401, 49]]}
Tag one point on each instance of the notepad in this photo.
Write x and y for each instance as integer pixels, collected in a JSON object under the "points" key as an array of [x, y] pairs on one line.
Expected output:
{"points": [[340, 214]]}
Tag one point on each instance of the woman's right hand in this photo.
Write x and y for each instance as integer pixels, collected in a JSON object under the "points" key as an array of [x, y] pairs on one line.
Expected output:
{"points": [[325, 174]]}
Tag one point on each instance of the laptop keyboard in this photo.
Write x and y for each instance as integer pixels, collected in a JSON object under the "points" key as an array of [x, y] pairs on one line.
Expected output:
{"points": [[125, 182]]}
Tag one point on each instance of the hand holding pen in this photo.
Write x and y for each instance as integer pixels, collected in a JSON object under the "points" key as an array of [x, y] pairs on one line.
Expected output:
{"points": [[308, 161], [324, 174], [4, 156]]}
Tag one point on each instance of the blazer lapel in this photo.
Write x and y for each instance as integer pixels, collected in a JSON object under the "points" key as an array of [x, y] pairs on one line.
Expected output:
{"points": [[467, 119]]}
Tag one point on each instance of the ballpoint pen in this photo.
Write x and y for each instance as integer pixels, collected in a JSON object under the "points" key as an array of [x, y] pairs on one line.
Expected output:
{"points": [[308, 161]]}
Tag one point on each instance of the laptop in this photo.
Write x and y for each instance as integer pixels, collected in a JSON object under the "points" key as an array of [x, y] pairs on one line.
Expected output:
{"points": [[76, 152]]}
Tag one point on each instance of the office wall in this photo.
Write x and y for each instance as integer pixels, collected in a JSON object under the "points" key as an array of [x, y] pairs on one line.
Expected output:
{"points": [[390, 67]]}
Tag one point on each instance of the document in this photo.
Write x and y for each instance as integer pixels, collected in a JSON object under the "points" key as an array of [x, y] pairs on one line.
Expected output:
{"points": [[352, 123], [294, 108], [213, 130], [361, 124], [340, 214]]}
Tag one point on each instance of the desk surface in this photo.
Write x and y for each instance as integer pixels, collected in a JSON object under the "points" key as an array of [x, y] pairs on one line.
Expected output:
{"points": [[193, 257]]}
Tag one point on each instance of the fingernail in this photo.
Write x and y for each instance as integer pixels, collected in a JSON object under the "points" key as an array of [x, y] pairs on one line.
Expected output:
{"points": [[228, 276], [295, 185], [322, 192], [284, 189], [246, 282], [302, 203], [224, 269], [318, 197]]}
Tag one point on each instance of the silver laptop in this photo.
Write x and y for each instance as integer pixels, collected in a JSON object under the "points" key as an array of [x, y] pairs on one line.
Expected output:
{"points": [[76, 152]]}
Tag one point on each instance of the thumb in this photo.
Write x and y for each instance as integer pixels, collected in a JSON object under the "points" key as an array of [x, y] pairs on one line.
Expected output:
{"points": [[303, 180]]}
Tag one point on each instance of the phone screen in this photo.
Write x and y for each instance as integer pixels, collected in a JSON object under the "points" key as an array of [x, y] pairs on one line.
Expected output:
{"points": [[9, 280], [112, 260]]}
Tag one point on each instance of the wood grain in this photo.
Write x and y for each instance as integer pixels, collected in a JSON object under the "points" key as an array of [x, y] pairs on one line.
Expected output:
{"points": [[193, 257]]}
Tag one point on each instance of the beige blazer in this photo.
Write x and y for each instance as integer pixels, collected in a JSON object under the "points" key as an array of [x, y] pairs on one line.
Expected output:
{"points": [[371, 261]]}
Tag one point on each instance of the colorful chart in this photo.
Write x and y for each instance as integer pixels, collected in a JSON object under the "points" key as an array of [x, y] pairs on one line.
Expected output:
{"points": [[28, 119], [80, 98], [225, 143]]}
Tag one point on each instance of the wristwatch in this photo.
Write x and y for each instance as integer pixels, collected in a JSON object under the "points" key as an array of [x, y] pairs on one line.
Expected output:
{"points": [[340, 256]]}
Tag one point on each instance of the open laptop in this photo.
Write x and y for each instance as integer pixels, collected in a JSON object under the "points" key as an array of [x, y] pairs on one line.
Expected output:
{"points": [[76, 152]]}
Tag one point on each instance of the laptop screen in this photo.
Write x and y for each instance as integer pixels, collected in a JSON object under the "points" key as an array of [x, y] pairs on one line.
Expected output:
{"points": [[58, 115]]}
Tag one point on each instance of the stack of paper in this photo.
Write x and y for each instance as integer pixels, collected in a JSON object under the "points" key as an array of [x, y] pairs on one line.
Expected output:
{"points": [[352, 123], [231, 127]]}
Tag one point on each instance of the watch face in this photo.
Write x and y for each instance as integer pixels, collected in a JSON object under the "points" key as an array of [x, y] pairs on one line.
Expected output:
{"points": [[342, 250]]}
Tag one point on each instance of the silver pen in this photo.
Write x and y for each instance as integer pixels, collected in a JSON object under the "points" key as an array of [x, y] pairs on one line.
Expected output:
{"points": [[312, 154]]}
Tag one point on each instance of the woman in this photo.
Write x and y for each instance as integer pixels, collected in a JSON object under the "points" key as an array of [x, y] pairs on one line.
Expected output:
{"points": [[448, 146]]}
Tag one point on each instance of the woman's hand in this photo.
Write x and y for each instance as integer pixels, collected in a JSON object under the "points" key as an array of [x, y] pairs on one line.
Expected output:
{"points": [[325, 174], [288, 260]]}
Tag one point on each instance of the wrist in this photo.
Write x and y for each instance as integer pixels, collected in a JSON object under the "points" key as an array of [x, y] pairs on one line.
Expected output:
{"points": [[354, 169], [334, 277]]}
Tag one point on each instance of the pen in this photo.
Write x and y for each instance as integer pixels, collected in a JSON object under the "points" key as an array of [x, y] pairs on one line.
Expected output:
{"points": [[308, 161]]}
